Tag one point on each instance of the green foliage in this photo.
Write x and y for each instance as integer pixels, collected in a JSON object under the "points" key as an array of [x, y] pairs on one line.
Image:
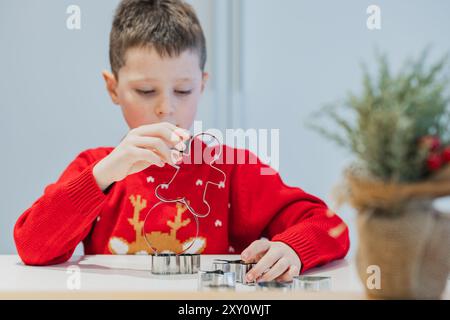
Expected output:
{"points": [[382, 125]]}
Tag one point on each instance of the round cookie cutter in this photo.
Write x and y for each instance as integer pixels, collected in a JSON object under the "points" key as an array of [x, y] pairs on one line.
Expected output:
{"points": [[274, 285], [156, 253], [168, 264], [239, 267], [311, 283], [216, 280]]}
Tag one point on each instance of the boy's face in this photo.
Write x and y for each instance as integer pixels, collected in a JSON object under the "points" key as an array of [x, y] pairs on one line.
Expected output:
{"points": [[152, 89]]}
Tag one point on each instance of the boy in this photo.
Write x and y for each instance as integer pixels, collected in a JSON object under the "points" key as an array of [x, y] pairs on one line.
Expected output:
{"points": [[158, 55]]}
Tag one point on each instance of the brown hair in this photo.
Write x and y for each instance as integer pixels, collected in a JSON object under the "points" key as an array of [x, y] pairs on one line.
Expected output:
{"points": [[168, 26]]}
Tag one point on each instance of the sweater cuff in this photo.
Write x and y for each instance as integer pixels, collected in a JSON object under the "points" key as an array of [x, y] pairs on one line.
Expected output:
{"points": [[84, 191], [303, 245]]}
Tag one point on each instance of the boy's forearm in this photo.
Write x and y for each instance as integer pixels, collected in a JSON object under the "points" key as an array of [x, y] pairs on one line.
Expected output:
{"points": [[318, 239], [59, 220]]}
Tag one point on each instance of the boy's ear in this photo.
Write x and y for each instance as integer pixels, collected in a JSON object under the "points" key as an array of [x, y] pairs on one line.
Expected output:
{"points": [[205, 78], [111, 85]]}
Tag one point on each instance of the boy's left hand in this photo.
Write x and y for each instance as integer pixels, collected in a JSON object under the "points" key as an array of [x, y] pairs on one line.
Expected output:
{"points": [[275, 260]]}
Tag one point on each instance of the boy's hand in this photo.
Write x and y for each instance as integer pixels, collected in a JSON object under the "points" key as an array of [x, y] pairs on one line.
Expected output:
{"points": [[153, 144], [275, 260]]}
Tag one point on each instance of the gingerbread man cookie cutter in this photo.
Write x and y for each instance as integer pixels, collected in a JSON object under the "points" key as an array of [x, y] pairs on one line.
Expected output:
{"points": [[183, 199], [164, 263]]}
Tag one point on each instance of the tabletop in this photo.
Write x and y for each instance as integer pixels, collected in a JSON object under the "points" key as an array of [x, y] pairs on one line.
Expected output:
{"points": [[129, 277]]}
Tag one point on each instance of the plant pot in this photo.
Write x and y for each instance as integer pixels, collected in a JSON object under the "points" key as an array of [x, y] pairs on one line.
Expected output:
{"points": [[410, 249]]}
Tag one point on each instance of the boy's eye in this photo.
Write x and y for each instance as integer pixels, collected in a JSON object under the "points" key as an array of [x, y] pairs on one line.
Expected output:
{"points": [[145, 92], [183, 92]]}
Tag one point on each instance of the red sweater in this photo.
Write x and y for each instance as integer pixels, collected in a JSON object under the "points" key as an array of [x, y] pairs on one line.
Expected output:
{"points": [[243, 208]]}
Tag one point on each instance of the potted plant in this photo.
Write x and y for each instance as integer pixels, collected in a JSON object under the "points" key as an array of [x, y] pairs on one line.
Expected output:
{"points": [[398, 129]]}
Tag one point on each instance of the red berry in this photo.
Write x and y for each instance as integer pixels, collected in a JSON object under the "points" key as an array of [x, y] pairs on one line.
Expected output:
{"points": [[446, 154], [434, 161], [431, 143]]}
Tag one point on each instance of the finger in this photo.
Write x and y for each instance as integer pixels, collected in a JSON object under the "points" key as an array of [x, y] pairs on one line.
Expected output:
{"points": [[280, 267], [287, 276], [166, 124], [177, 135], [172, 135], [184, 134], [173, 127], [176, 132], [156, 131], [148, 156], [156, 145], [258, 247], [266, 262], [180, 146]]}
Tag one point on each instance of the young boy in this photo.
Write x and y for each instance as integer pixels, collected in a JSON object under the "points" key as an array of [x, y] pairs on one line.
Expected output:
{"points": [[158, 55]]}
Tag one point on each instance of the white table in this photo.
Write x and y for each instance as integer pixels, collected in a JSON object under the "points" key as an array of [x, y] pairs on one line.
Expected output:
{"points": [[128, 277]]}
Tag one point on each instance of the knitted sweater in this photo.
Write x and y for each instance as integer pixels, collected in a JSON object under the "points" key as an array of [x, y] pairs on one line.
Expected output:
{"points": [[239, 204]]}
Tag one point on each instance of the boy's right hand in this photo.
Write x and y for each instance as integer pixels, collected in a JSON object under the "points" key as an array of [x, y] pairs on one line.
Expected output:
{"points": [[153, 144]]}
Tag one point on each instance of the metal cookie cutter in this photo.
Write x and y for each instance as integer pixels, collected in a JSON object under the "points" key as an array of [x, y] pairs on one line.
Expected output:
{"points": [[216, 280], [197, 229], [274, 285], [239, 267], [173, 263], [177, 167], [168, 263], [181, 262], [311, 283]]}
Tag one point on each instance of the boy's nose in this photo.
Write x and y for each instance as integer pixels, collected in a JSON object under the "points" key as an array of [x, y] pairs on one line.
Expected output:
{"points": [[164, 108]]}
